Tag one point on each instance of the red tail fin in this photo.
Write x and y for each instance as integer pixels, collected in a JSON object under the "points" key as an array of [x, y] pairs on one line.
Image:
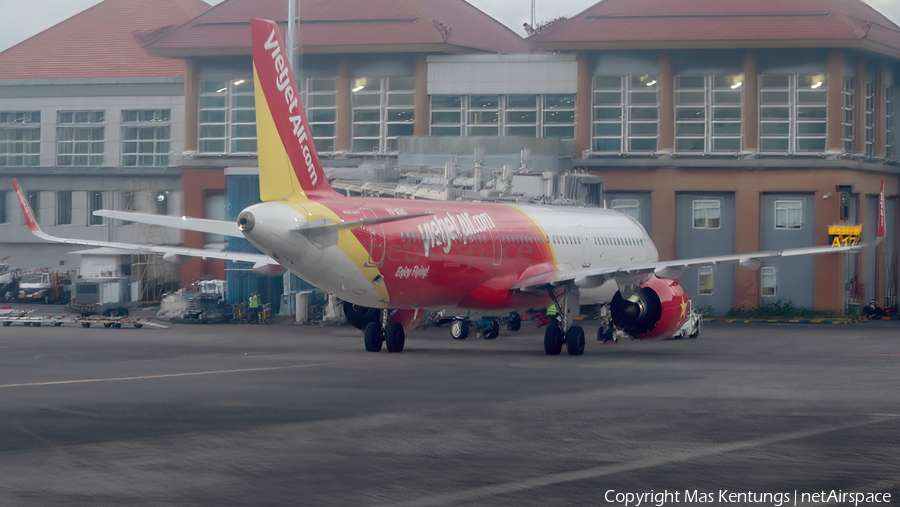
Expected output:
{"points": [[282, 129]]}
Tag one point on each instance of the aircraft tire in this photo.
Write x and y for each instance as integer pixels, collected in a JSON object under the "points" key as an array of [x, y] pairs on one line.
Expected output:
{"points": [[374, 337], [553, 338], [514, 323], [495, 330], [459, 329], [575, 341], [395, 337]]}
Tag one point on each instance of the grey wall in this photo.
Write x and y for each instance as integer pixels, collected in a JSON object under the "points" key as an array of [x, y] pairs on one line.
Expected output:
{"points": [[796, 276], [691, 242]]}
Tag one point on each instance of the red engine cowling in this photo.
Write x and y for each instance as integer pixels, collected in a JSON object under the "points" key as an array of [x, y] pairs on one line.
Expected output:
{"points": [[657, 309]]}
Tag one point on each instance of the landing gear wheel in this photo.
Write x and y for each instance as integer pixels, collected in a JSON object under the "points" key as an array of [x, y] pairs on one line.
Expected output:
{"points": [[575, 341], [553, 338], [514, 323], [459, 329], [495, 330], [395, 337], [374, 337]]}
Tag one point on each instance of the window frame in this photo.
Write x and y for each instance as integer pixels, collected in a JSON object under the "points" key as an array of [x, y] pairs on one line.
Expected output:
{"points": [[311, 93], [95, 200], [155, 121], [63, 207], [848, 106], [799, 106], [768, 272], [22, 124], [70, 125], [787, 211], [554, 116], [889, 122], [706, 271], [235, 110], [629, 121], [705, 206]]}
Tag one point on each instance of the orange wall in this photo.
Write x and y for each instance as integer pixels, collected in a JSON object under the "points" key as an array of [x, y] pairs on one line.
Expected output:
{"points": [[197, 184]]}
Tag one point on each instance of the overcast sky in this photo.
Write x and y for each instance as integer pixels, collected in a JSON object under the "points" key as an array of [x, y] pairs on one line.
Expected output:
{"points": [[22, 19]]}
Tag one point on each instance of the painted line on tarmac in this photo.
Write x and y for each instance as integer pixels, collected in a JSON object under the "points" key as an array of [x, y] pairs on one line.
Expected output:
{"points": [[169, 375], [483, 492]]}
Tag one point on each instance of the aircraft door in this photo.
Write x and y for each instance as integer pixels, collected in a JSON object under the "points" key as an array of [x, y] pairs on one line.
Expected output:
{"points": [[498, 247], [376, 240], [585, 246]]}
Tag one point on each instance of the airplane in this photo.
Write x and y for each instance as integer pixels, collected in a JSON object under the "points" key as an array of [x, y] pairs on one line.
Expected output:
{"points": [[399, 257]]}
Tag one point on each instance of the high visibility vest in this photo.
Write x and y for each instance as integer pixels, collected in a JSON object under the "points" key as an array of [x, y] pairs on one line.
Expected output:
{"points": [[552, 310], [254, 301]]}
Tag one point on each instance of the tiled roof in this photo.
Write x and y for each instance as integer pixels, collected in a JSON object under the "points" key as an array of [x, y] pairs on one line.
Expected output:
{"points": [[102, 41], [354, 25], [637, 23]]}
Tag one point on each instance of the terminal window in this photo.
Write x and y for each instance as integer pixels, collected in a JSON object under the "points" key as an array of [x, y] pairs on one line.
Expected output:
{"points": [[705, 280], [145, 137], [788, 214], [79, 138], [707, 214], [20, 138], [769, 280]]}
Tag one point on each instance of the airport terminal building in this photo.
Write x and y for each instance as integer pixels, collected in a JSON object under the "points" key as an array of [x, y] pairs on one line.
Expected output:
{"points": [[723, 127]]}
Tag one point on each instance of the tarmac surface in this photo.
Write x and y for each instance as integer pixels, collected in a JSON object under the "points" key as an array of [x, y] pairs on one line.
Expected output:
{"points": [[299, 415]]}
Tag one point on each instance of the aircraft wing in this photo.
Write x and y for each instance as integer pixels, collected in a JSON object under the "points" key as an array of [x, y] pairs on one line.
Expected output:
{"points": [[594, 277], [225, 228], [169, 251]]}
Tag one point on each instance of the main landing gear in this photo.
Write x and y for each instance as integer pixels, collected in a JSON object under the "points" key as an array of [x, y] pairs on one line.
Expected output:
{"points": [[558, 332], [379, 333]]}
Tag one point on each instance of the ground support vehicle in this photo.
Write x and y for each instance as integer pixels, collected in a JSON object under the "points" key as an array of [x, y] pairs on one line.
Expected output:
{"points": [[116, 322]]}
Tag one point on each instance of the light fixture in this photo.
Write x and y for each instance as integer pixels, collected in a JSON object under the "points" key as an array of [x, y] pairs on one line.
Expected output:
{"points": [[651, 83], [238, 82], [358, 88], [221, 90], [737, 85], [816, 85]]}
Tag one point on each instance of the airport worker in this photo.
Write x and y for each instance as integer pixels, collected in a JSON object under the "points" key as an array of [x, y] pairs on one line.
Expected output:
{"points": [[253, 314]]}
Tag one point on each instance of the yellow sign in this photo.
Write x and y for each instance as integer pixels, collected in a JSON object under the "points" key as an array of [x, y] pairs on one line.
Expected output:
{"points": [[844, 235]]}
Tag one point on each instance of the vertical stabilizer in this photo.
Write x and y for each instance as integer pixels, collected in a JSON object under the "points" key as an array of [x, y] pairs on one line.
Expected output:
{"points": [[289, 165]]}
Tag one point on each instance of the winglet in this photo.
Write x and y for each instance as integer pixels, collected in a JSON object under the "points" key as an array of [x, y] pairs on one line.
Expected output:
{"points": [[26, 209], [881, 212]]}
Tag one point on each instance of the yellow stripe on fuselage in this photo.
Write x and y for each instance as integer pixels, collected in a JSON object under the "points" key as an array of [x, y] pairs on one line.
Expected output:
{"points": [[541, 231], [277, 179], [347, 242]]}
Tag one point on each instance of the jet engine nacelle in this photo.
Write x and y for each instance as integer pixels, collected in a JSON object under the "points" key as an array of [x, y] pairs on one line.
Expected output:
{"points": [[657, 309]]}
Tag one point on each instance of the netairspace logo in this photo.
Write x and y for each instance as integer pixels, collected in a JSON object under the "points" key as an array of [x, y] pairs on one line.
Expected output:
{"points": [[724, 497]]}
